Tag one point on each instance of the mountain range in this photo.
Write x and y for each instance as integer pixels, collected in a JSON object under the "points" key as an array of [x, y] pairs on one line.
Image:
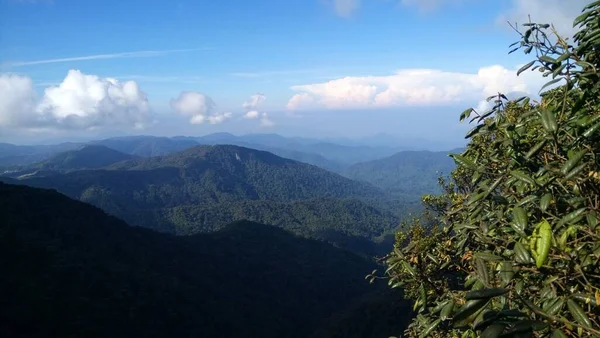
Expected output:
{"points": [[71, 270]]}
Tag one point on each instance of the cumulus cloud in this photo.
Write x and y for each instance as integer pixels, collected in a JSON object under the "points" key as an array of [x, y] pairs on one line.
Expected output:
{"points": [[80, 101], [414, 87], [252, 110], [198, 107]]}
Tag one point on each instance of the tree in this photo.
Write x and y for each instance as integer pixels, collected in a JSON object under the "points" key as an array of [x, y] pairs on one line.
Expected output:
{"points": [[512, 246]]}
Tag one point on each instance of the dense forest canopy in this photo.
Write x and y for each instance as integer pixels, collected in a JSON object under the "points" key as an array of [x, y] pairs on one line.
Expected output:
{"points": [[512, 246], [70, 270]]}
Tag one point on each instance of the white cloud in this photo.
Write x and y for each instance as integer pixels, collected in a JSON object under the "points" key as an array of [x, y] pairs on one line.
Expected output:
{"points": [[137, 54], [80, 101], [265, 121], [254, 102], [345, 8], [219, 117], [560, 13], [252, 110], [253, 114], [198, 107], [414, 87]]}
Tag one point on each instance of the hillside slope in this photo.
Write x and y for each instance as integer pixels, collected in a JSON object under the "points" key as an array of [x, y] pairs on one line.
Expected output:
{"points": [[203, 188], [70, 270], [407, 173]]}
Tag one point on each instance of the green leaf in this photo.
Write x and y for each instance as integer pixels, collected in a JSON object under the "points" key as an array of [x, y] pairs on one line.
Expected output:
{"points": [[551, 82], [468, 312], [535, 149], [522, 255], [485, 293], [578, 314], [523, 177], [465, 114], [525, 67], [507, 272], [489, 257], [547, 59], [520, 219], [493, 331], [548, 119], [545, 201], [592, 130], [581, 18], [556, 333], [463, 161], [544, 242], [573, 217], [430, 328], [572, 161], [447, 311]]}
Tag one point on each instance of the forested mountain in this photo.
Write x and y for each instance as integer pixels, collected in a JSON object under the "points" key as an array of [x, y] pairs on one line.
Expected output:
{"points": [[203, 188], [407, 173], [70, 270], [86, 157], [146, 145], [11, 154]]}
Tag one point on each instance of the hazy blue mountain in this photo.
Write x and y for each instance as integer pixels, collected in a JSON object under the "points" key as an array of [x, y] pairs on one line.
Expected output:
{"points": [[146, 145], [407, 173]]}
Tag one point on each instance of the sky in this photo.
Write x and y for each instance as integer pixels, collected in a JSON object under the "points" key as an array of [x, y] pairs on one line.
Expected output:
{"points": [[73, 69]]}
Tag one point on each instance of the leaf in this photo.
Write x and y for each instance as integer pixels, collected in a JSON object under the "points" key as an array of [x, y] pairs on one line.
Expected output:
{"points": [[507, 272], [545, 201], [465, 114], [551, 82], [578, 314], [482, 271], [430, 328], [572, 161], [486, 256], [548, 119], [485, 293], [581, 18], [547, 59], [544, 242], [535, 149], [525, 67], [520, 219], [590, 131], [493, 331], [522, 255], [556, 333], [522, 177], [446, 311], [461, 160], [468, 312], [572, 217]]}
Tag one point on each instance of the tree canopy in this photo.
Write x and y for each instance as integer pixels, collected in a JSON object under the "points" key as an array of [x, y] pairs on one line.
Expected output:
{"points": [[511, 247]]}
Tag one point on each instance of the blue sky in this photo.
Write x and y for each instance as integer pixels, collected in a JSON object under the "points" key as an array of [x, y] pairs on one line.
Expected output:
{"points": [[320, 64]]}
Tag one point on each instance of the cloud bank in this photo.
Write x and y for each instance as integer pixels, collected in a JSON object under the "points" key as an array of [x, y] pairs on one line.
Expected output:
{"points": [[80, 101]]}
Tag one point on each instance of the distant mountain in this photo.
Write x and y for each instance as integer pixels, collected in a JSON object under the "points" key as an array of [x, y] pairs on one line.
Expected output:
{"points": [[330, 155], [86, 157], [205, 187], [146, 145], [70, 270], [15, 155], [407, 173]]}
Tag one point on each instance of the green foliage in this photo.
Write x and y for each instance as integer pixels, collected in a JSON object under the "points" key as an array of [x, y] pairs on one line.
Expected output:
{"points": [[204, 188], [512, 246], [70, 270]]}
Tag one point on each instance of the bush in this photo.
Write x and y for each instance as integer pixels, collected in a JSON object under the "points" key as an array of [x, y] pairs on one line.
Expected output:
{"points": [[512, 246]]}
